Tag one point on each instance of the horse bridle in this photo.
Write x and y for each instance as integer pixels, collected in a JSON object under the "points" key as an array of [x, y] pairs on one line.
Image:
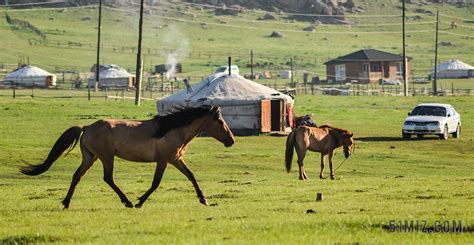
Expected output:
{"points": [[353, 150]]}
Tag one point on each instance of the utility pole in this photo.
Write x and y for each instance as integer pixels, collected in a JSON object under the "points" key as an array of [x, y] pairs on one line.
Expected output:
{"points": [[251, 64], [405, 80], [291, 74], [97, 64], [138, 74], [435, 75]]}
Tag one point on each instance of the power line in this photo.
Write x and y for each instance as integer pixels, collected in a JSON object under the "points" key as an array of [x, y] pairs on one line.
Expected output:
{"points": [[457, 25], [455, 34], [454, 17], [286, 23], [39, 3], [47, 9], [288, 30], [289, 13]]}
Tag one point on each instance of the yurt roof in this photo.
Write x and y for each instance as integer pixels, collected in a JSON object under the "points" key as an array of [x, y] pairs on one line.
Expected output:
{"points": [[28, 71], [226, 89], [454, 65], [114, 73]]}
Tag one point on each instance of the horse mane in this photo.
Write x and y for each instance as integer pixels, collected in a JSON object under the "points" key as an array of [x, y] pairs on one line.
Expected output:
{"points": [[342, 130], [180, 117]]}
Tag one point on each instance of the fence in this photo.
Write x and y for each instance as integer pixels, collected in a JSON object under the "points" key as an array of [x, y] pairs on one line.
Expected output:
{"points": [[363, 90], [25, 24], [154, 89]]}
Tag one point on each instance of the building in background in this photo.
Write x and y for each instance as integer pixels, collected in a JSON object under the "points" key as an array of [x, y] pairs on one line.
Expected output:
{"points": [[367, 66], [30, 76], [248, 107], [454, 69]]}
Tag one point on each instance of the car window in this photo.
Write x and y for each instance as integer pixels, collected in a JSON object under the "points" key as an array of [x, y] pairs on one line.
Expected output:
{"points": [[429, 111], [222, 69], [453, 111]]}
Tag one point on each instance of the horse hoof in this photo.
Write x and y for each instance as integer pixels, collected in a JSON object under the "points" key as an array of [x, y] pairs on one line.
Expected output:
{"points": [[332, 177], [203, 201], [138, 205], [66, 204], [321, 176], [128, 205]]}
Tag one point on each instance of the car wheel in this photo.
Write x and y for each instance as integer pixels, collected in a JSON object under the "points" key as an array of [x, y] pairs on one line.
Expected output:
{"points": [[457, 134], [420, 136], [406, 136], [445, 134]]}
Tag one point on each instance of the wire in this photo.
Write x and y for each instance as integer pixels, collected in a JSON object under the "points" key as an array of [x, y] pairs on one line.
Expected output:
{"points": [[47, 9], [458, 18], [39, 3], [457, 25], [289, 13], [287, 30], [455, 34]]}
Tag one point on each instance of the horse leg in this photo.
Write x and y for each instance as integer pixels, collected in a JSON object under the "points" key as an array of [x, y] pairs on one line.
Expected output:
{"points": [[160, 169], [301, 154], [322, 166], [331, 154], [183, 168], [108, 163], [87, 160]]}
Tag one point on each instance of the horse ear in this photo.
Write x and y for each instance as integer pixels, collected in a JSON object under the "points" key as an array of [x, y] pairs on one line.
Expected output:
{"points": [[216, 109], [352, 134]]}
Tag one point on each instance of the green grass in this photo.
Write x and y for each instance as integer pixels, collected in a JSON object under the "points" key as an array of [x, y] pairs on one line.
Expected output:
{"points": [[386, 179], [236, 38]]}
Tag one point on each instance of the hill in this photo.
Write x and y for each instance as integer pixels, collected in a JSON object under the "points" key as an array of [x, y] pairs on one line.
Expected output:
{"points": [[201, 40]]}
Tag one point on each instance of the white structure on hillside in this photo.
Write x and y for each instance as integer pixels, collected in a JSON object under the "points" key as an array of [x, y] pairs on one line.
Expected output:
{"points": [[454, 69], [248, 107], [29, 76], [113, 78]]}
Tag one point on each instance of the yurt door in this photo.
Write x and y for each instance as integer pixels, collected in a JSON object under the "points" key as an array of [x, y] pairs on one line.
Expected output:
{"points": [[266, 116], [278, 112]]}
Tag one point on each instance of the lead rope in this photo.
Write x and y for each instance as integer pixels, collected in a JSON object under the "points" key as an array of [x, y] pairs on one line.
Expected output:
{"points": [[344, 160]]}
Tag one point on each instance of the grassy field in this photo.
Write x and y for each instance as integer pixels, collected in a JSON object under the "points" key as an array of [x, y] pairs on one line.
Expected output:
{"points": [[177, 28], [386, 179]]}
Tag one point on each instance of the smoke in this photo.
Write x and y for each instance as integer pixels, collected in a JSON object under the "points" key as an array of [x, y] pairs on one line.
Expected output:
{"points": [[178, 45]]}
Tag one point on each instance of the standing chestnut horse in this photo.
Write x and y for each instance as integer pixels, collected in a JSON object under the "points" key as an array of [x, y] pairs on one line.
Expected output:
{"points": [[324, 139], [162, 139]]}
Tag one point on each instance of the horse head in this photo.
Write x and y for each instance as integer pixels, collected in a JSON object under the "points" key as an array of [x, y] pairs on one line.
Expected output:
{"points": [[347, 143], [217, 128]]}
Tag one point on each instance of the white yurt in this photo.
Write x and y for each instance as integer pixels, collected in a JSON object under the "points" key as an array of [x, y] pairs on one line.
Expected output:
{"points": [[29, 76], [454, 69], [113, 78], [248, 107]]}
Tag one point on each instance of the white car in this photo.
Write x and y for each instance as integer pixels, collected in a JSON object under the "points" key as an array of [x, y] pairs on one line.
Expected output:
{"points": [[432, 118]]}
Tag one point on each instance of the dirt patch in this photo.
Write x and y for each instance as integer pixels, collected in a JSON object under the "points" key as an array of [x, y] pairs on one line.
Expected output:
{"points": [[222, 196], [428, 197], [229, 181]]}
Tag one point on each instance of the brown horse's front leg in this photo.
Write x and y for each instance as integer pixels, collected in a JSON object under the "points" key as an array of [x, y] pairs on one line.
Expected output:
{"points": [[322, 166], [160, 169], [183, 168], [331, 154]]}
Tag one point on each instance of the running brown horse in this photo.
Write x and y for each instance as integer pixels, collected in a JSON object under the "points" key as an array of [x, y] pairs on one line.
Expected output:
{"points": [[324, 139], [162, 139]]}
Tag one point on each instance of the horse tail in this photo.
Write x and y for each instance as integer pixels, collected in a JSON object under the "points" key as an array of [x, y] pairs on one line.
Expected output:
{"points": [[290, 146], [67, 140]]}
